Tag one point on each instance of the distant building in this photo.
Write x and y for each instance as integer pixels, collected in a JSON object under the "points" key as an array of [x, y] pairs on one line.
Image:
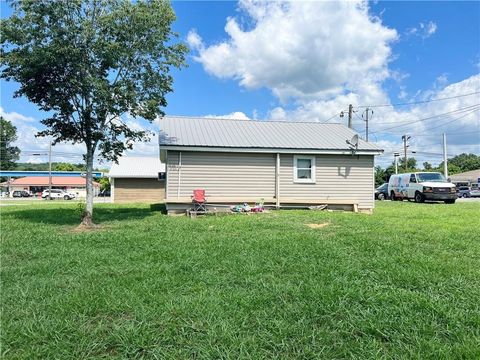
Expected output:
{"points": [[466, 178], [36, 184], [137, 179]]}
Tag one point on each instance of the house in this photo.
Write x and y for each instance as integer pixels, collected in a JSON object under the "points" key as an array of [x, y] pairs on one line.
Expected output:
{"points": [[36, 184], [137, 179], [288, 164]]}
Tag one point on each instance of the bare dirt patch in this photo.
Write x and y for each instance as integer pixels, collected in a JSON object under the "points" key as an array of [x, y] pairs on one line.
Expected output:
{"points": [[86, 229], [317, 226]]}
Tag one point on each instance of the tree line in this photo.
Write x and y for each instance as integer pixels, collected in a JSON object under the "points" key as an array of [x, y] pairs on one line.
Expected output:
{"points": [[457, 164]]}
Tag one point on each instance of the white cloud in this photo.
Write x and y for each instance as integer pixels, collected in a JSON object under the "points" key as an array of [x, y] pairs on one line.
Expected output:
{"points": [[194, 40], [15, 117], [430, 29], [306, 52], [301, 50], [237, 115], [423, 30]]}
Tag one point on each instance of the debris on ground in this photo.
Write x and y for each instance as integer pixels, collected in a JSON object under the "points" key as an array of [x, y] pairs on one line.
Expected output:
{"points": [[317, 226], [317, 207]]}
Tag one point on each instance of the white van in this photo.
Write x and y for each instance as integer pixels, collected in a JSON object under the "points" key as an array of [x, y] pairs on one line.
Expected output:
{"points": [[58, 194], [421, 186]]}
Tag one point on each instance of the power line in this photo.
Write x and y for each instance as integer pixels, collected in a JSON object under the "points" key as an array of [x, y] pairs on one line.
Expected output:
{"points": [[334, 116], [420, 102], [475, 108], [449, 134], [441, 125], [458, 110], [450, 121]]}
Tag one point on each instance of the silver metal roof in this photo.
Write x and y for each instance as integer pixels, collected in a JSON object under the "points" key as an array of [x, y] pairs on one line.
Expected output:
{"points": [[227, 133], [137, 167]]}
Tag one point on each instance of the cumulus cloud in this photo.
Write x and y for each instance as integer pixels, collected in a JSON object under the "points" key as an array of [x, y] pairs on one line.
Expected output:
{"points": [[460, 121], [236, 115], [300, 50], [15, 117], [307, 54]]}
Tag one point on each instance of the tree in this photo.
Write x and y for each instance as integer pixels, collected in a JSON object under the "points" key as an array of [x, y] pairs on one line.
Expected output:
{"points": [[411, 165], [8, 153], [64, 167], [380, 176], [427, 166], [104, 183], [88, 62], [452, 168], [461, 163]]}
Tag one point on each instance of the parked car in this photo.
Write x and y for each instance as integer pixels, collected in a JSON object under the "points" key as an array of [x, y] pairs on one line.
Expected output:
{"points": [[381, 192], [463, 191], [422, 186], [474, 193], [104, 193], [20, 193], [58, 194]]}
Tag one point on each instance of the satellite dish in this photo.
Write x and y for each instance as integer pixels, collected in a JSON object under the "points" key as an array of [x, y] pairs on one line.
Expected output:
{"points": [[353, 142]]}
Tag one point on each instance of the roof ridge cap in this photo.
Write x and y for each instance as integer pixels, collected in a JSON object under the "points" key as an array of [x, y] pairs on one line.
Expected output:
{"points": [[248, 120]]}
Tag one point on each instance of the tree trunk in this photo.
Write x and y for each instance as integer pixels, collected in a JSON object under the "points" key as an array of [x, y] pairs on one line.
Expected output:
{"points": [[88, 214]]}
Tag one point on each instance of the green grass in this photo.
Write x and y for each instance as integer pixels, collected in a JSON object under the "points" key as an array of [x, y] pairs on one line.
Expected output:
{"points": [[402, 283]]}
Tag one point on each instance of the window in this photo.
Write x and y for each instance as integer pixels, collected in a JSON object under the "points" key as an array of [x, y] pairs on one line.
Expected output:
{"points": [[304, 169], [413, 179], [435, 177]]}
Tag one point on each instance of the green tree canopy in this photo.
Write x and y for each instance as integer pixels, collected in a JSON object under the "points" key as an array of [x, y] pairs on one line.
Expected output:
{"points": [[427, 166], [380, 176], [88, 62], [8, 153], [461, 163], [104, 183], [64, 167]]}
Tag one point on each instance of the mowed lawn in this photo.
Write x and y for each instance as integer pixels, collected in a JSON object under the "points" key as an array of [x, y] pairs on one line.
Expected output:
{"points": [[402, 283]]}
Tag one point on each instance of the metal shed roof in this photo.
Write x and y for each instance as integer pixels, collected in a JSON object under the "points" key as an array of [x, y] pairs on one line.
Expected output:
{"points": [[226, 133], [137, 167]]}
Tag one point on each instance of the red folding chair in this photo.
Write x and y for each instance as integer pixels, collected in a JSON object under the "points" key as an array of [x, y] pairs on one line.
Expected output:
{"points": [[199, 201]]}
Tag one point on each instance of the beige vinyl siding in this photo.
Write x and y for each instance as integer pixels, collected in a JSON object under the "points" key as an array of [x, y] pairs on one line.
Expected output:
{"points": [[338, 177], [139, 190], [252, 176], [227, 175]]}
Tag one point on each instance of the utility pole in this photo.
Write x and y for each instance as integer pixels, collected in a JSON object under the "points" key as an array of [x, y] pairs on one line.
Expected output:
{"points": [[405, 138], [366, 124], [395, 160], [350, 114], [445, 165], [50, 171]]}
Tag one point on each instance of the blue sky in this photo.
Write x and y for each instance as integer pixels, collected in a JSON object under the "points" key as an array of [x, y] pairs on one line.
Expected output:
{"points": [[272, 65]]}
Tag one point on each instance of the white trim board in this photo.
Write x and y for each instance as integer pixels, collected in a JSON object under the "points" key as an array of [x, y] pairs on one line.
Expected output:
{"points": [[270, 150]]}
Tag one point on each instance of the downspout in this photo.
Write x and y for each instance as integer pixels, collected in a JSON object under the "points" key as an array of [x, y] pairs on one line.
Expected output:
{"points": [[112, 190], [166, 174], [179, 172], [277, 181]]}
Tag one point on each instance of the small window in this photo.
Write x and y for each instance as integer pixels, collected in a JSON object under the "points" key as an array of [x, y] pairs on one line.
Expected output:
{"points": [[304, 169], [413, 179]]}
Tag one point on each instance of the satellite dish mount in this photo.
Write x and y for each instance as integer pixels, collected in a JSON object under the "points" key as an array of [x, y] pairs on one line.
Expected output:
{"points": [[353, 143]]}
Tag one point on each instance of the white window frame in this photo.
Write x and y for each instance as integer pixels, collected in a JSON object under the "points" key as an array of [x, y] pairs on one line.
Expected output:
{"points": [[295, 168]]}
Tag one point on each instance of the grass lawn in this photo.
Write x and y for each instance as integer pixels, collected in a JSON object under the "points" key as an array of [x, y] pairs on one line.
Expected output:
{"points": [[402, 283]]}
